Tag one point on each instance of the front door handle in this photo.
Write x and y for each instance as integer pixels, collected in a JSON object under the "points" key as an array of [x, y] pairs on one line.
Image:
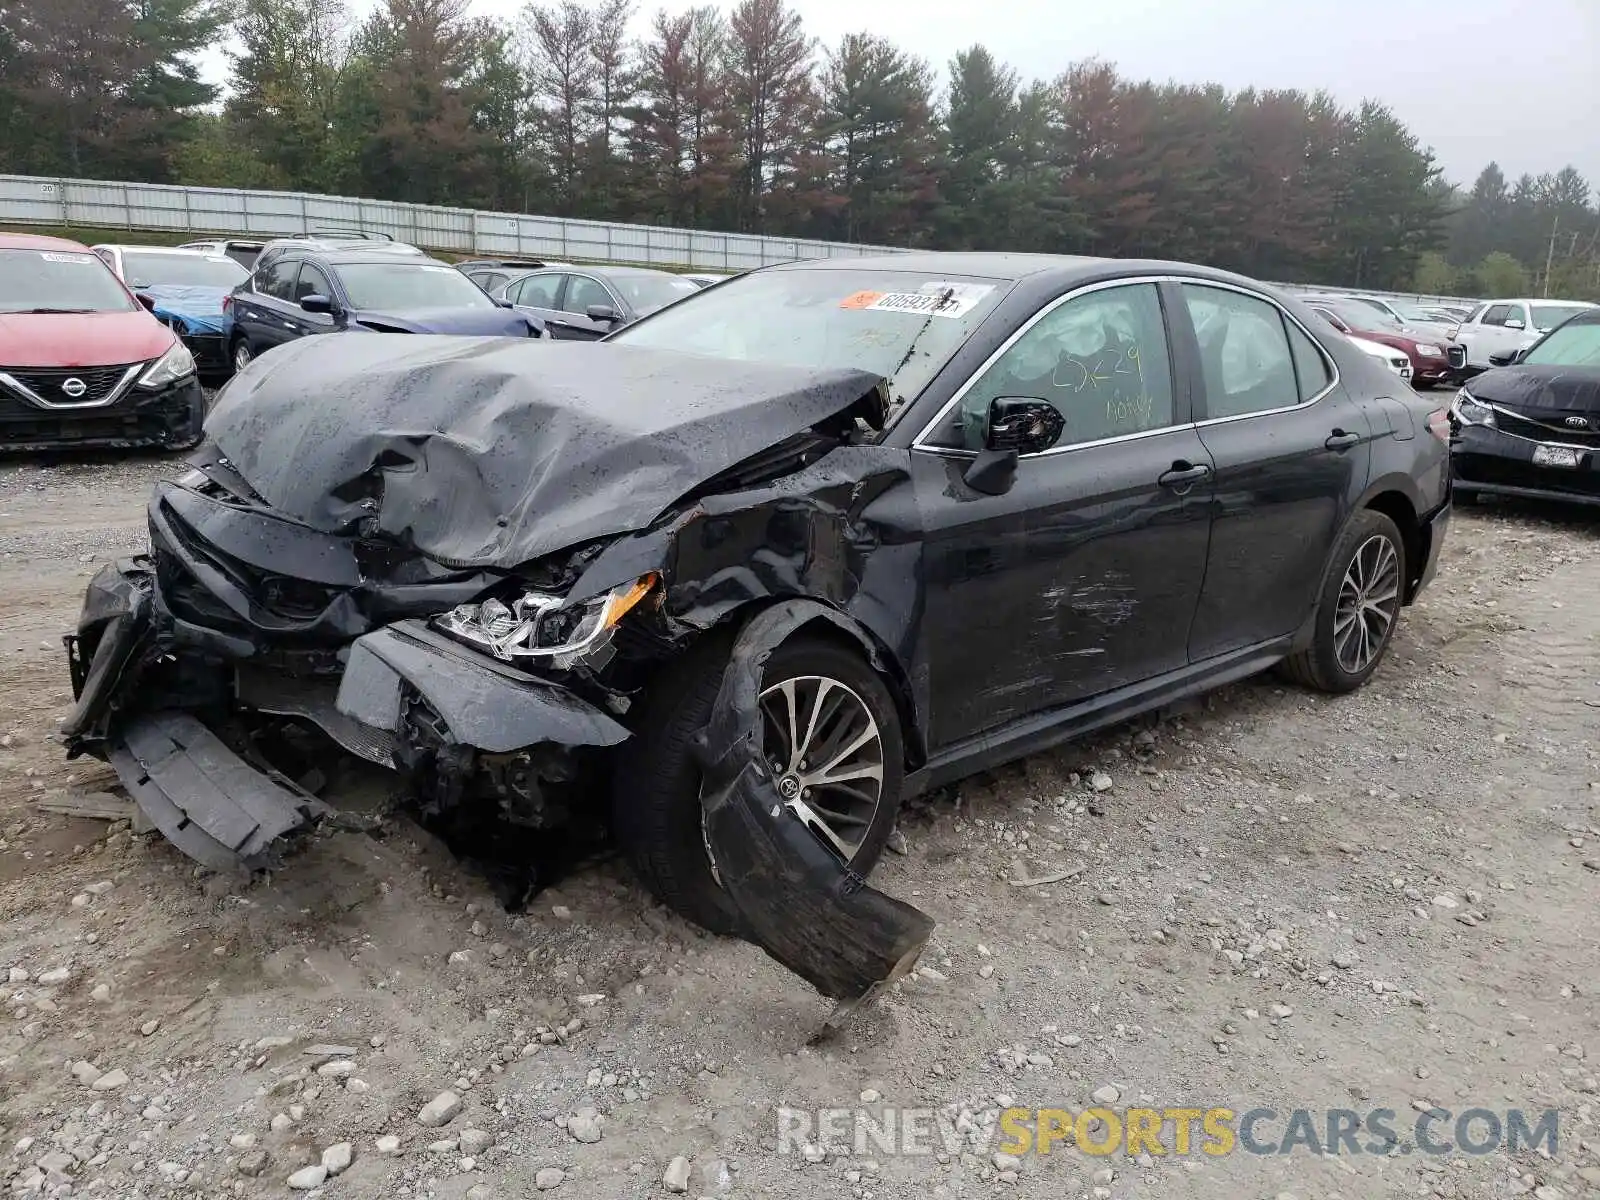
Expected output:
{"points": [[1341, 440], [1183, 476]]}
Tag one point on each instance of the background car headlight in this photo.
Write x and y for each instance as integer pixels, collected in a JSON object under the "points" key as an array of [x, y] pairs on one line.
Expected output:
{"points": [[1467, 410], [1428, 351], [540, 626], [177, 363]]}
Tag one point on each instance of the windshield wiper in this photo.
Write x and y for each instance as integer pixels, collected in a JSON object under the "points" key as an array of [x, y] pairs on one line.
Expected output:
{"points": [[46, 312]]}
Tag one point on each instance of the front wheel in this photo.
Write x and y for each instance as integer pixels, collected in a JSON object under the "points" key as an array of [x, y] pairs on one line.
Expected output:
{"points": [[830, 733], [242, 355], [1358, 609]]}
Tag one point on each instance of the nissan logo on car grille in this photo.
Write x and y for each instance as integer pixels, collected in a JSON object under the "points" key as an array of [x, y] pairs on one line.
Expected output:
{"points": [[1578, 422], [74, 387]]}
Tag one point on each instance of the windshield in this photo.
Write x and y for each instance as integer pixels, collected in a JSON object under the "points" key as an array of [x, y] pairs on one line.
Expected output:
{"points": [[59, 281], [1413, 312], [1548, 316], [887, 322], [647, 293], [1359, 316], [409, 286], [142, 269], [1573, 345]]}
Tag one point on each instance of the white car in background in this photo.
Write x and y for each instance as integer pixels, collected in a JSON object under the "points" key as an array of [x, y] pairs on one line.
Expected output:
{"points": [[1503, 327], [1395, 360]]}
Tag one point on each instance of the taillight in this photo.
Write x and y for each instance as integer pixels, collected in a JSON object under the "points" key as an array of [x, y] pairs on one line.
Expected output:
{"points": [[227, 303], [1439, 424]]}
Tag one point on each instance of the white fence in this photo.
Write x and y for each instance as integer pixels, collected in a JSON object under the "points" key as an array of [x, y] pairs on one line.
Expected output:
{"points": [[31, 200]]}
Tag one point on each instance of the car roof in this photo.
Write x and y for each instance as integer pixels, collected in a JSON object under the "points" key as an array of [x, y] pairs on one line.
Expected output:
{"points": [[960, 262], [342, 258], [179, 250], [38, 241], [389, 248]]}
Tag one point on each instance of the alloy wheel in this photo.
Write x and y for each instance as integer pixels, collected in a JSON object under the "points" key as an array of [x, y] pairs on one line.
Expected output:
{"points": [[241, 356], [1369, 601], [825, 751]]}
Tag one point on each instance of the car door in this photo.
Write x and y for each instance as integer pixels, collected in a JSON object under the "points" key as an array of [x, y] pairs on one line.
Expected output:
{"points": [[1490, 335], [265, 314], [313, 281], [1083, 576], [572, 321], [1291, 451]]}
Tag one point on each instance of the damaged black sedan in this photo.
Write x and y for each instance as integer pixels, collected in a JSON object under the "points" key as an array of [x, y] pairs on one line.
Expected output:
{"points": [[747, 574]]}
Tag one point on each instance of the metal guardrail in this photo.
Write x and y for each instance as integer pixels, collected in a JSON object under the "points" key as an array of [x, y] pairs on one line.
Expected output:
{"points": [[35, 200], [31, 200]]}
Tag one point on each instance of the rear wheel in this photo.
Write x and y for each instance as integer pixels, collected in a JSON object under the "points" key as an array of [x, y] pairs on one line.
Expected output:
{"points": [[830, 733], [1358, 609]]}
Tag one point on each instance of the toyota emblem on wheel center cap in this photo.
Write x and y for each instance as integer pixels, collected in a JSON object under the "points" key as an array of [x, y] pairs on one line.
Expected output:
{"points": [[74, 387]]}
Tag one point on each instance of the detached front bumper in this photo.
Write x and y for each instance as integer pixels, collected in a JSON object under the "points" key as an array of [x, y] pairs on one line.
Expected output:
{"points": [[170, 416]]}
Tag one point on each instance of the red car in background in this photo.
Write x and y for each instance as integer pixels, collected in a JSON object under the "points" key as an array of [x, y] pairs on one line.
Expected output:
{"points": [[82, 363], [1430, 364]]}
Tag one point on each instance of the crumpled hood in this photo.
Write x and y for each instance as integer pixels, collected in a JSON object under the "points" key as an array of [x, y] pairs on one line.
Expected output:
{"points": [[481, 321], [1542, 390], [492, 453], [200, 308]]}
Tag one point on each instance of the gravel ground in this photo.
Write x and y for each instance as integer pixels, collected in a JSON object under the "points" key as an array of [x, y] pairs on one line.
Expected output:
{"points": [[1276, 899]]}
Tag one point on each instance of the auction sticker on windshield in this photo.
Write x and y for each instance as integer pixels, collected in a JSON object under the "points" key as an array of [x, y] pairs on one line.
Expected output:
{"points": [[932, 299], [51, 256]]}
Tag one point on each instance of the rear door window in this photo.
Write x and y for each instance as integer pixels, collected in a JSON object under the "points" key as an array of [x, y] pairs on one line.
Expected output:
{"points": [[1244, 352], [1310, 364]]}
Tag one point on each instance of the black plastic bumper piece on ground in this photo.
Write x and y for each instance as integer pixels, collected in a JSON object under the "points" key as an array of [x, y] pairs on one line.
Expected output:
{"points": [[206, 800], [794, 897]]}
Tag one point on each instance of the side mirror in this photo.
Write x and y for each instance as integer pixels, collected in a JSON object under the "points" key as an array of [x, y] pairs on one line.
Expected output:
{"points": [[1514, 323], [1023, 424], [149, 302], [315, 303], [603, 313], [502, 302]]}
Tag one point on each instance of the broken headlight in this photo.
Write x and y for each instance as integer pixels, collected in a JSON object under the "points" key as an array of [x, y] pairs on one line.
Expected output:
{"points": [[540, 626]]}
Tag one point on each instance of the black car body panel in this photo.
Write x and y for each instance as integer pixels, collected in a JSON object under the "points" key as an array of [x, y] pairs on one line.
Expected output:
{"points": [[494, 453], [350, 494]]}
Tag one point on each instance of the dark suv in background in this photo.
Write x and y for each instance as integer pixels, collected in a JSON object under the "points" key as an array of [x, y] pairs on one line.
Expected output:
{"points": [[302, 291]]}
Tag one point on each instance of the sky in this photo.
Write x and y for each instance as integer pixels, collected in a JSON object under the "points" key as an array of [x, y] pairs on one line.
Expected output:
{"points": [[1513, 81]]}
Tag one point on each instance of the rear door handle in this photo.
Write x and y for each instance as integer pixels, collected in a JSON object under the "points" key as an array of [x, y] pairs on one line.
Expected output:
{"points": [[1340, 440], [1183, 476]]}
